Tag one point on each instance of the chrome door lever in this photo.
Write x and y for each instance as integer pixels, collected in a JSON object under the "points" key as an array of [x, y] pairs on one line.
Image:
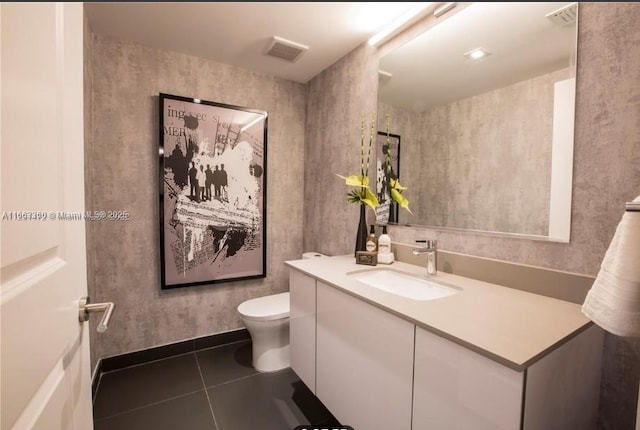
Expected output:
{"points": [[84, 309]]}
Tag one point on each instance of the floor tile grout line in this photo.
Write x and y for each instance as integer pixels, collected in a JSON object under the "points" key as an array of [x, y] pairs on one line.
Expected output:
{"points": [[193, 351], [181, 395], [206, 393], [147, 405], [147, 362], [235, 380], [221, 345]]}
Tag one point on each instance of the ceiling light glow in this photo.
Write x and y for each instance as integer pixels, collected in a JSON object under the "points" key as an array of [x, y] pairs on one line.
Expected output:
{"points": [[478, 53], [399, 23], [370, 17]]}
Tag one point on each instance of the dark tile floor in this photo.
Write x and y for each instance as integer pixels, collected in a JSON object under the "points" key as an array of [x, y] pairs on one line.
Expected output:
{"points": [[212, 389]]}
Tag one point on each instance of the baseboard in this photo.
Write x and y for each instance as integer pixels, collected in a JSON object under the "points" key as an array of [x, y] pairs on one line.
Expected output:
{"points": [[165, 351]]}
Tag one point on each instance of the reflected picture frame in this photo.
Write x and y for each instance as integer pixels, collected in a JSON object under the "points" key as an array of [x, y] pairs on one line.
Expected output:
{"points": [[387, 167]]}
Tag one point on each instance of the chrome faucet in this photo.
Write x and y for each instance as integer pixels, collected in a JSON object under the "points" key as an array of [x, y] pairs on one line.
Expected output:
{"points": [[431, 248]]}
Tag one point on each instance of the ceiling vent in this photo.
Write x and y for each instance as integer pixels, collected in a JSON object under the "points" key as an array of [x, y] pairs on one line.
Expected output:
{"points": [[564, 16], [285, 49]]}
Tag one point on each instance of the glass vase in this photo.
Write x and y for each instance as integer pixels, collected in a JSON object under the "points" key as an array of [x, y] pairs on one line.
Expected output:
{"points": [[361, 237]]}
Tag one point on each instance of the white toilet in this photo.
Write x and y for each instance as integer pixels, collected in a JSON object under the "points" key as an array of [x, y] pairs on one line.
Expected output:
{"points": [[267, 319]]}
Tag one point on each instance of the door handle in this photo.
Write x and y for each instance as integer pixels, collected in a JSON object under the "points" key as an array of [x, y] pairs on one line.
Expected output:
{"points": [[85, 308]]}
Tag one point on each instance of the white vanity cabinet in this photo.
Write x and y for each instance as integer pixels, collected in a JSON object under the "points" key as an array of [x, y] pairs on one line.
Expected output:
{"points": [[364, 362], [376, 370], [302, 327], [458, 389]]}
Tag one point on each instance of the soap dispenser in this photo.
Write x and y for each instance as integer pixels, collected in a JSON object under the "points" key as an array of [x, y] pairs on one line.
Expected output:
{"points": [[385, 256], [372, 240], [384, 242]]}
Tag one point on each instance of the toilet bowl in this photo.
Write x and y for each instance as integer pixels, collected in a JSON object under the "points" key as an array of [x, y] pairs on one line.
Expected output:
{"points": [[267, 319]]}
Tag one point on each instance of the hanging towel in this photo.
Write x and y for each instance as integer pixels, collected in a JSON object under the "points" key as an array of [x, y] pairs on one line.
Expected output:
{"points": [[613, 302]]}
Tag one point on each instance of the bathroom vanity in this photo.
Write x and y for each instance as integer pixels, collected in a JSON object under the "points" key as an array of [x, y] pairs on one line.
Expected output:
{"points": [[480, 357]]}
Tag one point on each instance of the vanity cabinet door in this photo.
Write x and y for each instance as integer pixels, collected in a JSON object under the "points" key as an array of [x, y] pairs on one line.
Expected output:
{"points": [[302, 328], [457, 389], [364, 362]]}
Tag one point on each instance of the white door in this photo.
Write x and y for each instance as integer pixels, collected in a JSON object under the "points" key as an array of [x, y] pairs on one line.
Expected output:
{"points": [[45, 375]]}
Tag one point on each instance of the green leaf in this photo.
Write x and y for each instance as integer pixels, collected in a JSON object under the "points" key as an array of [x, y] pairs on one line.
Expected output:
{"points": [[354, 197]]}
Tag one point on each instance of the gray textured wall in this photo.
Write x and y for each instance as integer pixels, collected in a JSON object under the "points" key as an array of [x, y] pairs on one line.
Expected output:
{"points": [[445, 151], [495, 149], [123, 175], [606, 153], [337, 98], [606, 150], [606, 172]]}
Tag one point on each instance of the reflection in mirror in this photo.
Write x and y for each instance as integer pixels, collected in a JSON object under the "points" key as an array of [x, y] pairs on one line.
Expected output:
{"points": [[487, 142]]}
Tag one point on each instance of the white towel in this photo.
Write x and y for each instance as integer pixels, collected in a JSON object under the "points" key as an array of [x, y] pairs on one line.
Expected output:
{"points": [[613, 302]]}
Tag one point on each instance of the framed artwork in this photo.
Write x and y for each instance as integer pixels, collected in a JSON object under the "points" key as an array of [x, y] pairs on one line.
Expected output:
{"points": [[213, 182], [387, 167]]}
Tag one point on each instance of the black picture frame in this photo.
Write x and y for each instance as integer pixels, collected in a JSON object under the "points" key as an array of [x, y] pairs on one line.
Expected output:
{"points": [[217, 232], [388, 209]]}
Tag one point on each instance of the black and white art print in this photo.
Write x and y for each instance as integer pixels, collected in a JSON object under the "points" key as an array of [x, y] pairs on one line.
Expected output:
{"points": [[387, 168], [212, 192]]}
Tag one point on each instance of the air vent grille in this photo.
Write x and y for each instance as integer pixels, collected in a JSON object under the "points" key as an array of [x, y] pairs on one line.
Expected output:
{"points": [[285, 49], [564, 16]]}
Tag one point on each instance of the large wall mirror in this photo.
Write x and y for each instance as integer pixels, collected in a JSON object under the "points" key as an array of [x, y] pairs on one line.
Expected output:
{"points": [[484, 104]]}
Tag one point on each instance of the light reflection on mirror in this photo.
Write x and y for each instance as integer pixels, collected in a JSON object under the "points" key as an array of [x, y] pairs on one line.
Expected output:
{"points": [[487, 143]]}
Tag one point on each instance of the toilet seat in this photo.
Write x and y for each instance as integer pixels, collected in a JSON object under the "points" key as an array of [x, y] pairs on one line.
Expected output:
{"points": [[266, 308]]}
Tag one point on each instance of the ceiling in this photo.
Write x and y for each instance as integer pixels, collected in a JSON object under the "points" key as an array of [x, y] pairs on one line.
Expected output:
{"points": [[240, 33], [431, 70]]}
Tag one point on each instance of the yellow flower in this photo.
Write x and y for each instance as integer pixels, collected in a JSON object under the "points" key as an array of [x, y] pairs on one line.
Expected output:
{"points": [[361, 181], [356, 180]]}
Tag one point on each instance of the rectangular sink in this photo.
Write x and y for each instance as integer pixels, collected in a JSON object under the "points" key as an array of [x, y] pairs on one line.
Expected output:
{"points": [[403, 284]]}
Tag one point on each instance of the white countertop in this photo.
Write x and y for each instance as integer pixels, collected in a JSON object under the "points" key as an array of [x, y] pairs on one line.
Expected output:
{"points": [[513, 327]]}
